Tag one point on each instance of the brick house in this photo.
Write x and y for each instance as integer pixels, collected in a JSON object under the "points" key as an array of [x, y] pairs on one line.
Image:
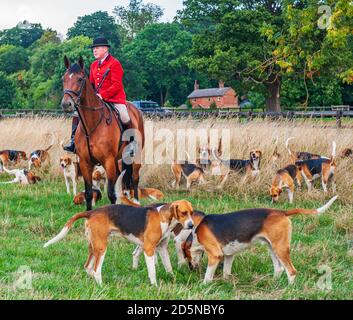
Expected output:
{"points": [[224, 97]]}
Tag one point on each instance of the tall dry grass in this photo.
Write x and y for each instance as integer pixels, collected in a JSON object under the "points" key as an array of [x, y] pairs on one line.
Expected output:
{"points": [[315, 137]]}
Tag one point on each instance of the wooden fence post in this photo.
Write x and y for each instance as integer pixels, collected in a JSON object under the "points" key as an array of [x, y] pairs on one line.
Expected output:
{"points": [[339, 115], [250, 116]]}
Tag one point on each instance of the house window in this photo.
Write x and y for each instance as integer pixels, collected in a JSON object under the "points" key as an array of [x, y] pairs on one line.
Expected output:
{"points": [[219, 99], [209, 99], [194, 100]]}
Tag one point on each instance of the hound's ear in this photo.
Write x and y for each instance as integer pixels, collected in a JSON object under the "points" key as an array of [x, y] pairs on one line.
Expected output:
{"points": [[81, 63], [174, 210], [69, 161], [67, 62]]}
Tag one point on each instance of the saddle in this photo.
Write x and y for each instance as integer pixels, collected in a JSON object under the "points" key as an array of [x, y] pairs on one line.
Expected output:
{"points": [[131, 152], [116, 114]]}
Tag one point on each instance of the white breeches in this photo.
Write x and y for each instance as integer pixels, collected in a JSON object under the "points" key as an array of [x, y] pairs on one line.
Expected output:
{"points": [[124, 115]]}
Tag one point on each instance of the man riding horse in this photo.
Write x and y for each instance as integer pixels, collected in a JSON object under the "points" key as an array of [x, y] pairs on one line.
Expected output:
{"points": [[106, 76], [101, 135]]}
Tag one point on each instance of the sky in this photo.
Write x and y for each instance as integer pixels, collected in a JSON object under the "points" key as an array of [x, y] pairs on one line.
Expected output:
{"points": [[61, 15]]}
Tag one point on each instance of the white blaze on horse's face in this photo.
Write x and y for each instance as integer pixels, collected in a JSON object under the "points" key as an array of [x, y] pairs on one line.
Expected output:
{"points": [[72, 80]]}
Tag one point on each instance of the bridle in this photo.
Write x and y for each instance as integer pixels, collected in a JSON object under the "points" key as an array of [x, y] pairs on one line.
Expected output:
{"points": [[76, 96], [78, 106]]}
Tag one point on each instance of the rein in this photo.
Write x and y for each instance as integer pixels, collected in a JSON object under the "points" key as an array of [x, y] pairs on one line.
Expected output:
{"points": [[78, 106]]}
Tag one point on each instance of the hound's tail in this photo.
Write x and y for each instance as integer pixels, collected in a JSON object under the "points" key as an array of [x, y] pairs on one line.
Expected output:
{"points": [[119, 193], [66, 229], [287, 145], [333, 155], [47, 149], [51, 144], [187, 157], [317, 211], [9, 171], [215, 156]]}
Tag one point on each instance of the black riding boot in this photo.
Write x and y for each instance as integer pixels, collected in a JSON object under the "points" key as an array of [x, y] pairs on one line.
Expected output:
{"points": [[127, 126], [71, 147]]}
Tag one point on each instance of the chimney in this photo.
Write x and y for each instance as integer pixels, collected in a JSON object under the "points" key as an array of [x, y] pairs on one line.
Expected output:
{"points": [[196, 85], [221, 84]]}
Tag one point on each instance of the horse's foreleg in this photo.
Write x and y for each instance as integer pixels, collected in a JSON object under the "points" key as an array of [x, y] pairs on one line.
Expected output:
{"points": [[87, 170], [111, 170]]}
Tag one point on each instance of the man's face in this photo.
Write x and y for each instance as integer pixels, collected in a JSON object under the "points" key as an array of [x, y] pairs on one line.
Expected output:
{"points": [[100, 52]]}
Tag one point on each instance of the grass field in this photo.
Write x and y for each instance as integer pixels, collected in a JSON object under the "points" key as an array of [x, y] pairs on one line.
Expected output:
{"points": [[322, 247]]}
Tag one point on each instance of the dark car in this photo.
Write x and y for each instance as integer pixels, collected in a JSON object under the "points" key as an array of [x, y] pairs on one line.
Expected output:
{"points": [[150, 107]]}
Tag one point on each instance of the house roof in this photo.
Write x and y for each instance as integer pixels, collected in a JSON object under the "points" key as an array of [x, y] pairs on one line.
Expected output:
{"points": [[212, 92]]}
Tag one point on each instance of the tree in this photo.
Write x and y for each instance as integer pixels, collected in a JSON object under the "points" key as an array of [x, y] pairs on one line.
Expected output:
{"points": [[159, 54], [13, 59], [260, 42], [49, 36], [95, 25], [7, 92], [136, 16], [24, 34], [43, 80]]}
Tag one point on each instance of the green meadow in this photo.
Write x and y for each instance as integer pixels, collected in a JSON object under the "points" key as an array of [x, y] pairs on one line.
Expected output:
{"points": [[322, 252]]}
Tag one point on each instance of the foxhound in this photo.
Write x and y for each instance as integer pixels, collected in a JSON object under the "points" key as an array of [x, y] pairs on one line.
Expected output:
{"points": [[11, 157], [145, 226], [222, 236], [22, 176], [38, 157], [71, 172]]}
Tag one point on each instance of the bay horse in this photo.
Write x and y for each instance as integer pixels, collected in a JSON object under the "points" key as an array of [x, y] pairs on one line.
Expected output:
{"points": [[98, 138]]}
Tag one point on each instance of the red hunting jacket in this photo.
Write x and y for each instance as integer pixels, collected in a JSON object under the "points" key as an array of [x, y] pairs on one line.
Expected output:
{"points": [[112, 89]]}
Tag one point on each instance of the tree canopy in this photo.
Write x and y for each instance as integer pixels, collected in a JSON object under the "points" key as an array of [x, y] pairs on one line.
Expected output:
{"points": [[94, 25], [24, 34], [258, 43], [136, 16], [278, 54]]}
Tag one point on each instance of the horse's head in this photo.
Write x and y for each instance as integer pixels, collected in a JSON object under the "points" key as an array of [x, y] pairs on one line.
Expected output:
{"points": [[73, 84]]}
